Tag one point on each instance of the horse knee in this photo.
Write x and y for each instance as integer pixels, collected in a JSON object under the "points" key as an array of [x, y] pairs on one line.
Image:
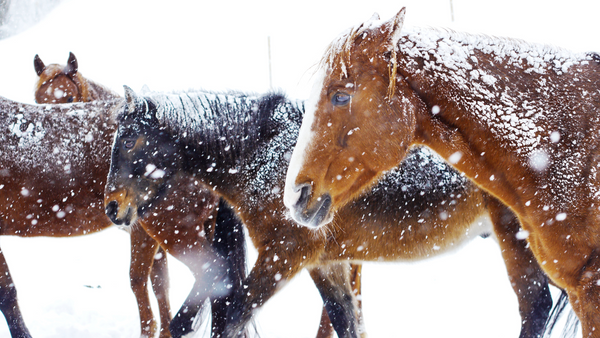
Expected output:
{"points": [[138, 283]]}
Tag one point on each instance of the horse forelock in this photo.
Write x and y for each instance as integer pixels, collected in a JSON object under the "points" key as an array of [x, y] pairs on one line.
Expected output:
{"points": [[339, 52]]}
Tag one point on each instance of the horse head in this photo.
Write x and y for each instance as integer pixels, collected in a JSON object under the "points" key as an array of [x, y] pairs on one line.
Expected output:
{"points": [[143, 159], [351, 117], [59, 84]]}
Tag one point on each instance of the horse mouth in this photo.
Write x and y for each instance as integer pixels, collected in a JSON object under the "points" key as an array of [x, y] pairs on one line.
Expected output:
{"points": [[112, 211], [313, 217]]}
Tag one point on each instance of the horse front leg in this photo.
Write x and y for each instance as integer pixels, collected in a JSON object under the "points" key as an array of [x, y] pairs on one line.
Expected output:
{"points": [[159, 276], [271, 270], [143, 253], [210, 275], [8, 303], [527, 278], [325, 327], [334, 282]]}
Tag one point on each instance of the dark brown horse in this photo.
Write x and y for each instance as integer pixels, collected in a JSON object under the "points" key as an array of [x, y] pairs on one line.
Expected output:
{"points": [[521, 120], [54, 162], [240, 145], [64, 84]]}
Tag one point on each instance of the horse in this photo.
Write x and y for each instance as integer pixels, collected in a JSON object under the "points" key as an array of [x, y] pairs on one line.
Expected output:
{"points": [[64, 84], [240, 145], [519, 119], [55, 159]]}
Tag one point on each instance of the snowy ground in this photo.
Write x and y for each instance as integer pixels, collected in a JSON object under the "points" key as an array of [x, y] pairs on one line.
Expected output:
{"points": [[78, 287]]}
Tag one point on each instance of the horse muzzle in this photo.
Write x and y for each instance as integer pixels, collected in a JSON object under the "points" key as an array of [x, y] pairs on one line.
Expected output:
{"points": [[312, 216], [120, 214]]}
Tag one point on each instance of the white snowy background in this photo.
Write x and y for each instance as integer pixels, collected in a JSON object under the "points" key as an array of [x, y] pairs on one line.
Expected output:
{"points": [[78, 287]]}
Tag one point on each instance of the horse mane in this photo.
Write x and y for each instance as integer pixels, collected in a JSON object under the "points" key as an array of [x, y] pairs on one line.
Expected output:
{"points": [[232, 121]]}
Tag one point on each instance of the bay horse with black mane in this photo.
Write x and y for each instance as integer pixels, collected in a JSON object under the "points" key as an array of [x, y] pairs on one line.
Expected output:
{"points": [[54, 162], [240, 145], [52, 176], [520, 120]]}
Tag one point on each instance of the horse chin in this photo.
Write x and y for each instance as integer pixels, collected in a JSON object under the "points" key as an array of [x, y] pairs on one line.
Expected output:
{"points": [[316, 216]]}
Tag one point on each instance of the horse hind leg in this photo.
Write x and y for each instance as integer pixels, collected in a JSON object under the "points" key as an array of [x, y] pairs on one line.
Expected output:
{"points": [[527, 279], [325, 327], [8, 303], [334, 284]]}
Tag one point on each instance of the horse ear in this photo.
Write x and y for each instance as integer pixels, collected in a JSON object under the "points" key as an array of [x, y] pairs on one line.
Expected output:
{"points": [[131, 99], [396, 27], [72, 66], [38, 64]]}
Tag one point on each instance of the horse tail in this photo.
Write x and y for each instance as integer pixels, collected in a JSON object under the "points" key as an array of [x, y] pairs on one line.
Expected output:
{"points": [[572, 323], [230, 243]]}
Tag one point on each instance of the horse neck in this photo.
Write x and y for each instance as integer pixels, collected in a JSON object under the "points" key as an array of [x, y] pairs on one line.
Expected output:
{"points": [[498, 107], [239, 145], [97, 91]]}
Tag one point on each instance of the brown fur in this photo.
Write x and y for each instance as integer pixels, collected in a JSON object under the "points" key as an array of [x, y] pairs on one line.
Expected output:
{"points": [[556, 205]]}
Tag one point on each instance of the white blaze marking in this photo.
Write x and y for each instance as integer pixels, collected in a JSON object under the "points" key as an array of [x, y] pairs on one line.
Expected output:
{"points": [[290, 197]]}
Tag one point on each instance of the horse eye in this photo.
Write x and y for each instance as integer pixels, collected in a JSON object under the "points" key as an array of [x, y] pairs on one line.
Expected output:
{"points": [[128, 144], [70, 99], [340, 99]]}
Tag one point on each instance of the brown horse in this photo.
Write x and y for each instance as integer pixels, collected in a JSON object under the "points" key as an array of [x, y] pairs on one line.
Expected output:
{"points": [[71, 86], [240, 145], [64, 84], [521, 120]]}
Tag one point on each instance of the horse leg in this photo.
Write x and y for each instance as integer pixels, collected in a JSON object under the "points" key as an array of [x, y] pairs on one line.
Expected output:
{"points": [[584, 297], [196, 258], [527, 279], [160, 285], [272, 268], [143, 251], [335, 286], [230, 243], [325, 327], [8, 303]]}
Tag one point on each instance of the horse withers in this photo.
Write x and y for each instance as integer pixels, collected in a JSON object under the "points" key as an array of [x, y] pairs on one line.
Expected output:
{"points": [[239, 146], [521, 120]]}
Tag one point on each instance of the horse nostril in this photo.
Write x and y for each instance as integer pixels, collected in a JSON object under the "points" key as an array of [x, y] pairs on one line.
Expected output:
{"points": [[111, 210], [304, 190]]}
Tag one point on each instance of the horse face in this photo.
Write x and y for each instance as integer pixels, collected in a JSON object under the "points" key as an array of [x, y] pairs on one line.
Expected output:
{"points": [[350, 121], [57, 84], [142, 162], [58, 89]]}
